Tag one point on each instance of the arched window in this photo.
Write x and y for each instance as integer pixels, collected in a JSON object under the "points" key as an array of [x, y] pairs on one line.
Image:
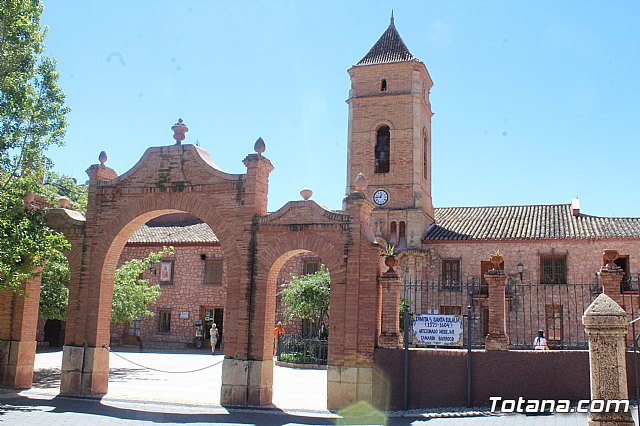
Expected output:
{"points": [[383, 85], [393, 233], [425, 159], [383, 145]]}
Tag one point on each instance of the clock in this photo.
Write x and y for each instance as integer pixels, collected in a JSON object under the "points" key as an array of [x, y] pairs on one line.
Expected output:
{"points": [[380, 197]]}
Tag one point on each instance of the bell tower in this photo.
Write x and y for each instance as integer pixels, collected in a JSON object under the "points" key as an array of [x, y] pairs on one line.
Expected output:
{"points": [[390, 138]]}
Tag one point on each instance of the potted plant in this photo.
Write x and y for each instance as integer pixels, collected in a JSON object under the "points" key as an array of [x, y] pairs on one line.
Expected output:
{"points": [[390, 258]]}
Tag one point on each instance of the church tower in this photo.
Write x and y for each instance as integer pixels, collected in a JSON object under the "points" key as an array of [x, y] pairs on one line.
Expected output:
{"points": [[390, 138]]}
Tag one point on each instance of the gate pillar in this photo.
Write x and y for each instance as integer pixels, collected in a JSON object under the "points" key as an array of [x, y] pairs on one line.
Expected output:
{"points": [[606, 325], [497, 339], [390, 336], [18, 323], [350, 375]]}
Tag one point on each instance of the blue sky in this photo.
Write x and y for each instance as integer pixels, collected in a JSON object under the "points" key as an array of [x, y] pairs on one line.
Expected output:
{"points": [[535, 102]]}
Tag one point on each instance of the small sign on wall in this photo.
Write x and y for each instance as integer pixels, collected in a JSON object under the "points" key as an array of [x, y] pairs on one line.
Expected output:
{"points": [[440, 330], [184, 314]]}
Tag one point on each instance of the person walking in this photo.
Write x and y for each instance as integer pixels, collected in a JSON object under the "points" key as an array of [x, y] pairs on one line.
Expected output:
{"points": [[278, 333], [213, 337]]}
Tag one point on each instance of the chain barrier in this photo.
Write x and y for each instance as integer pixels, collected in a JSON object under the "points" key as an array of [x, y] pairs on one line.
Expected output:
{"points": [[158, 370]]}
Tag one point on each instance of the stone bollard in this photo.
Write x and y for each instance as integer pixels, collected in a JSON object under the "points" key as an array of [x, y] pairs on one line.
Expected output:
{"points": [[390, 334], [606, 325], [497, 339]]}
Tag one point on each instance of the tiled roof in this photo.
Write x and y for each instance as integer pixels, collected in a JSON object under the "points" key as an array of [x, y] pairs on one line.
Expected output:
{"points": [[194, 231], [526, 223], [389, 48]]}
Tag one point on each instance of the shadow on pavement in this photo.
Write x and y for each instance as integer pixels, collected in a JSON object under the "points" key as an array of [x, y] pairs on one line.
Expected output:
{"points": [[13, 402]]}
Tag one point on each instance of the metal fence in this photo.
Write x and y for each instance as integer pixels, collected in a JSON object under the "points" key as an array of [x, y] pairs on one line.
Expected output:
{"points": [[298, 349], [530, 306]]}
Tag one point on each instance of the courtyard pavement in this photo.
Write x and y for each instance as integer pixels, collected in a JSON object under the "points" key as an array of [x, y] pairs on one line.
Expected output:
{"points": [[140, 396]]}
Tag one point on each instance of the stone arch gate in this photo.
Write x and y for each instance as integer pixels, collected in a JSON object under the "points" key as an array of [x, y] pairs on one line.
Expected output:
{"points": [[183, 178]]}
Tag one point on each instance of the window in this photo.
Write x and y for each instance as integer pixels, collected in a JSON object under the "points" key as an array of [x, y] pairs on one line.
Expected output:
{"points": [[402, 234], [451, 273], [310, 266], [450, 310], [383, 85], [393, 233], [425, 155], [553, 269], [213, 272], [164, 320], [382, 150], [553, 321], [166, 271]]}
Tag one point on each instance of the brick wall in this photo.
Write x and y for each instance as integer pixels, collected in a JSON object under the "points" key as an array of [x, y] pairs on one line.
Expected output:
{"points": [[186, 294]]}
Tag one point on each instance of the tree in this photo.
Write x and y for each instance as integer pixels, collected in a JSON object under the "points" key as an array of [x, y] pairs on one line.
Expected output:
{"points": [[54, 291], [132, 294], [307, 297], [32, 118]]}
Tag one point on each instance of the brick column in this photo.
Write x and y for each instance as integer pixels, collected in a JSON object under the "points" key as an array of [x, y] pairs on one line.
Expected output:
{"points": [[611, 278], [497, 339], [606, 325], [85, 358], [18, 323], [350, 373], [390, 336], [247, 370]]}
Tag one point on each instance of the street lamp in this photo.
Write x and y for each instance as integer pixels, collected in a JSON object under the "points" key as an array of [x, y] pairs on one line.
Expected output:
{"points": [[520, 267]]}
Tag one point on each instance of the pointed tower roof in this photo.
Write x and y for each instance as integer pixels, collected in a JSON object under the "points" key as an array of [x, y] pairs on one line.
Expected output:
{"points": [[389, 48]]}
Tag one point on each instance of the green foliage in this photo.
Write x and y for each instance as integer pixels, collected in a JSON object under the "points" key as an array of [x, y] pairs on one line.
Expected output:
{"points": [[57, 185], [307, 297], [27, 243], [32, 118], [132, 294], [54, 292]]}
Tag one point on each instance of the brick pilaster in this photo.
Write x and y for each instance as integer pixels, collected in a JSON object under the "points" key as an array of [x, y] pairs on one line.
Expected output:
{"points": [[611, 279], [390, 336], [497, 339], [18, 335]]}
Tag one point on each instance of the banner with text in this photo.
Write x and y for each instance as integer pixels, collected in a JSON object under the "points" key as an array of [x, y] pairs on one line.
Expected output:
{"points": [[438, 330]]}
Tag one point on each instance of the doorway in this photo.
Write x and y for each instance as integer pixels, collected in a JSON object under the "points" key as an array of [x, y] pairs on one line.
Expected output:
{"points": [[133, 332], [210, 315]]}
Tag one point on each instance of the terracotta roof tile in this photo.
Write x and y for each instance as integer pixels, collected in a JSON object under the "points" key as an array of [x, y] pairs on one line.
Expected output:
{"points": [[388, 49], [526, 222], [194, 231]]}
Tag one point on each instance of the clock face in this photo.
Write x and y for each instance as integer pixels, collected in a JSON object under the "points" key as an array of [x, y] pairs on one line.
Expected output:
{"points": [[380, 197]]}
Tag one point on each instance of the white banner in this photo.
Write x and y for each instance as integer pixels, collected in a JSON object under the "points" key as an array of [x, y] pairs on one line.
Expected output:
{"points": [[438, 330]]}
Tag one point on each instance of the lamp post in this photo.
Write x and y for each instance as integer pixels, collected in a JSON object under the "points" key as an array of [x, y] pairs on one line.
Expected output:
{"points": [[520, 267]]}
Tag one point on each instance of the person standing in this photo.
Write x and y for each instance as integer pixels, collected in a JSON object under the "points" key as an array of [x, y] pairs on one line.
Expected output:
{"points": [[213, 337], [278, 333], [540, 343]]}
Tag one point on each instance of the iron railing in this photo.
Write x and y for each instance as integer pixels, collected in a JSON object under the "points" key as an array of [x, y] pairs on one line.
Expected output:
{"points": [[297, 349], [531, 306]]}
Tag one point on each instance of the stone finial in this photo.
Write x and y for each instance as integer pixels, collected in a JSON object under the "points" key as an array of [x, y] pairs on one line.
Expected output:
{"points": [[306, 193], [63, 202], [604, 306], [361, 183], [102, 158], [609, 257], [259, 146], [179, 130]]}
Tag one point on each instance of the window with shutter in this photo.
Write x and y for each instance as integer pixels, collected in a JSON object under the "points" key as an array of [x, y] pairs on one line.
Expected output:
{"points": [[213, 272]]}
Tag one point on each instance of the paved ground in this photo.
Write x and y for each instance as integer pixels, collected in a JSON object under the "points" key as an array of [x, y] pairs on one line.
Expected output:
{"points": [[139, 397], [129, 382]]}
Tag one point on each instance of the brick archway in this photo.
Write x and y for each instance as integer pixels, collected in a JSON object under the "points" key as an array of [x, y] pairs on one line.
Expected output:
{"points": [[183, 178]]}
